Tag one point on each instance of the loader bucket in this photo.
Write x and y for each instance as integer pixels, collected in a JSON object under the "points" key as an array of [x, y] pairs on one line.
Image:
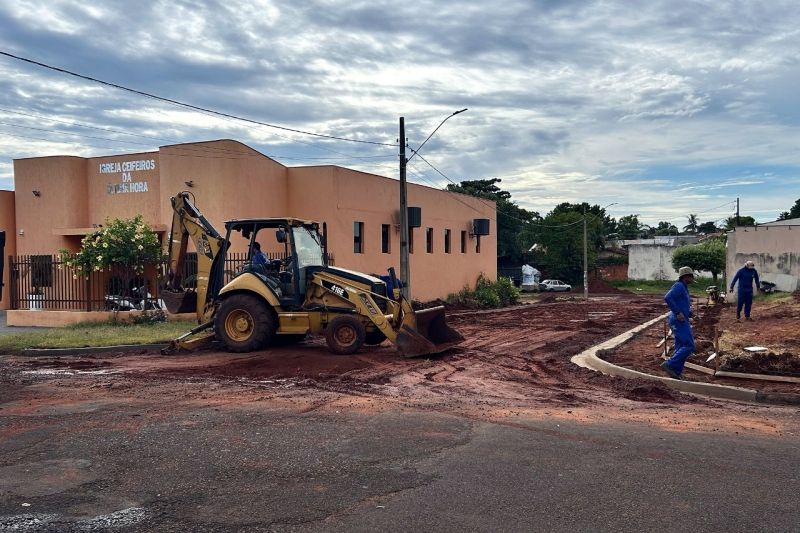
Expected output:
{"points": [[179, 301], [431, 334]]}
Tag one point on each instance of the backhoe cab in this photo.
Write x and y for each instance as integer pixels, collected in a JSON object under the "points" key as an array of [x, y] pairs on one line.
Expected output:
{"points": [[266, 302]]}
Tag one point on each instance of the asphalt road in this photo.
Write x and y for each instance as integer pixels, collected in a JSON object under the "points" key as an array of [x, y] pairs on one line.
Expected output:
{"points": [[106, 463]]}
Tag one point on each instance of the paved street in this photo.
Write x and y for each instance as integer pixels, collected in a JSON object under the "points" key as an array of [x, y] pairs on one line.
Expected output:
{"points": [[209, 456]]}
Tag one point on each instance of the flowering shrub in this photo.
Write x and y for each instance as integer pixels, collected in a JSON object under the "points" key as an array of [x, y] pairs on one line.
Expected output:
{"points": [[126, 242]]}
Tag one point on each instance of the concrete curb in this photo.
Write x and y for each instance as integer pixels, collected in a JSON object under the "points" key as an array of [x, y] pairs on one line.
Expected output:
{"points": [[589, 359], [55, 352]]}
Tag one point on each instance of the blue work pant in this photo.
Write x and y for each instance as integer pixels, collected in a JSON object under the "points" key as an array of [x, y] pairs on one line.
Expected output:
{"points": [[744, 298], [684, 344]]}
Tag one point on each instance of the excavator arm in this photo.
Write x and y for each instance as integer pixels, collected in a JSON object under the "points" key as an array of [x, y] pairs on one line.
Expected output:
{"points": [[189, 223]]}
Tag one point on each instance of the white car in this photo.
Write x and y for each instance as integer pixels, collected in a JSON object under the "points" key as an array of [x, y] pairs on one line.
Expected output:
{"points": [[553, 285]]}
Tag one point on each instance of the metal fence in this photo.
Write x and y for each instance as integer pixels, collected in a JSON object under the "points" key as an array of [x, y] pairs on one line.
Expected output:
{"points": [[47, 282]]}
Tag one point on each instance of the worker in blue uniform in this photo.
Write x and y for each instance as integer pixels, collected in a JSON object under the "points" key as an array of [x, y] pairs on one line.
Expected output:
{"points": [[744, 296], [680, 306]]}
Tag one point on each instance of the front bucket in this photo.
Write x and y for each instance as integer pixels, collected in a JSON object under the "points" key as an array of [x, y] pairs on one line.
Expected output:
{"points": [[179, 301], [432, 334]]}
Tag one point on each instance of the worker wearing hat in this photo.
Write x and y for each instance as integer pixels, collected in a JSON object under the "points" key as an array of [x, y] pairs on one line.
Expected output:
{"points": [[744, 297], [680, 306]]}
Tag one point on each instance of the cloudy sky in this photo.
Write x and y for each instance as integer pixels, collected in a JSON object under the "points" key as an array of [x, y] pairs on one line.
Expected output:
{"points": [[668, 108]]}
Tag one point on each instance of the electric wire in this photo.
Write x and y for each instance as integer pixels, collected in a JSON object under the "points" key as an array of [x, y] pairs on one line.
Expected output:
{"points": [[188, 106], [348, 157]]}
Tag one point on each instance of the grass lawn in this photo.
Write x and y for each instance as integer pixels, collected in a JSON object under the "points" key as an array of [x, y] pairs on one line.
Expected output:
{"points": [[697, 289], [95, 334]]}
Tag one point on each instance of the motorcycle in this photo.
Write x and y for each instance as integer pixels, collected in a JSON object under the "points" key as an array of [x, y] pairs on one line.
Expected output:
{"points": [[139, 299], [715, 296]]}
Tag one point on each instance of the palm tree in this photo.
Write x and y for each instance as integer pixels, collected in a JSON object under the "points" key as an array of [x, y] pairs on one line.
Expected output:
{"points": [[691, 227]]}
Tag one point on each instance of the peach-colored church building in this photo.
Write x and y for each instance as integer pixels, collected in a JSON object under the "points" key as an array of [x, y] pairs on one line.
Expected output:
{"points": [[57, 200]]}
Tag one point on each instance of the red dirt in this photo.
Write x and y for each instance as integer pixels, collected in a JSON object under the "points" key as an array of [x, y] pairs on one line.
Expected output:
{"points": [[513, 361], [774, 326]]}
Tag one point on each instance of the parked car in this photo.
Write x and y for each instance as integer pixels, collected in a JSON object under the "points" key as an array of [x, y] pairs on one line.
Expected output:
{"points": [[553, 285]]}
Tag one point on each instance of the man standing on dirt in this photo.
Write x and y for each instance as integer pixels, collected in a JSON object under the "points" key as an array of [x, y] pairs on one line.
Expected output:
{"points": [[680, 306], [744, 297]]}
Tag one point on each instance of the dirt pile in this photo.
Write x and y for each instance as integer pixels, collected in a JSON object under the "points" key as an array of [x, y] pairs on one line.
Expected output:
{"points": [[779, 364]]}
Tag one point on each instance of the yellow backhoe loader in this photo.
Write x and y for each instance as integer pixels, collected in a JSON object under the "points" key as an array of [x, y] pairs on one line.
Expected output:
{"points": [[268, 301]]}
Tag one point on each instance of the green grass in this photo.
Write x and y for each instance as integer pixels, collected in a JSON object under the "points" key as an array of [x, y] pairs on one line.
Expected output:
{"points": [[95, 334], [697, 289]]}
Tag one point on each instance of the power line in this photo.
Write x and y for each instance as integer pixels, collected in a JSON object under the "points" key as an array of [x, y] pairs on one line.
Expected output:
{"points": [[188, 106]]}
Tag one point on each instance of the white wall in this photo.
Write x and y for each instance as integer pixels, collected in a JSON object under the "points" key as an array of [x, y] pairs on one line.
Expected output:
{"points": [[654, 262], [775, 250]]}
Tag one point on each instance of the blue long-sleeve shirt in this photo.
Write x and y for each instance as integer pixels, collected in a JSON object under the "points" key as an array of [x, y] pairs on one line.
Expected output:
{"points": [[745, 276], [678, 300]]}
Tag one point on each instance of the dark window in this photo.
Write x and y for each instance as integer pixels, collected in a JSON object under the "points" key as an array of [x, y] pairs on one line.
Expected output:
{"points": [[411, 240], [429, 240], [447, 241], [358, 237], [463, 242], [477, 244], [386, 236]]}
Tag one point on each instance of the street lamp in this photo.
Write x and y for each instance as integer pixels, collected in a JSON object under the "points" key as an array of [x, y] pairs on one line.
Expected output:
{"points": [[405, 274], [586, 254]]}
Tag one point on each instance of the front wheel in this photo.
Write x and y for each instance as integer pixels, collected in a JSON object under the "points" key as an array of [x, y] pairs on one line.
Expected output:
{"points": [[245, 323], [345, 335]]}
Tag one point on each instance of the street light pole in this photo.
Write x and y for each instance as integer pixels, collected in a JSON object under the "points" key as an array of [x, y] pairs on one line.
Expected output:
{"points": [[585, 259], [404, 272], [586, 253]]}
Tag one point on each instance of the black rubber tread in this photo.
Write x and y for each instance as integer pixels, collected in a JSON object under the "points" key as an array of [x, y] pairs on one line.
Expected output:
{"points": [[265, 322], [374, 337], [342, 322]]}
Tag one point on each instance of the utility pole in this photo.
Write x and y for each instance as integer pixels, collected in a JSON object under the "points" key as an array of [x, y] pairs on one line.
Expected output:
{"points": [[405, 275], [585, 259], [737, 211]]}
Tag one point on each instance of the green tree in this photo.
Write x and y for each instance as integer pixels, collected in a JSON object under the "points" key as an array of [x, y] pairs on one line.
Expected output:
{"points": [[794, 212], [597, 218], [708, 255], [707, 227], [629, 227], [730, 222], [127, 242], [562, 238], [691, 227], [514, 223], [666, 228]]}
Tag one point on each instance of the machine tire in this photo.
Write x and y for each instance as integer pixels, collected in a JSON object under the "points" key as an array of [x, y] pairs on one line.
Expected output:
{"points": [[374, 337], [345, 335], [245, 323]]}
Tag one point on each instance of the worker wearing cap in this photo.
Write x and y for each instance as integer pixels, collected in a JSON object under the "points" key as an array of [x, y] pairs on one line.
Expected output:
{"points": [[680, 306], [744, 297]]}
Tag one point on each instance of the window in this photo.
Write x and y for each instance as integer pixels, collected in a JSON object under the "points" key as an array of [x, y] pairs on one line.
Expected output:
{"points": [[358, 237], [463, 242], [477, 244], [386, 242], [429, 240], [411, 240], [447, 241]]}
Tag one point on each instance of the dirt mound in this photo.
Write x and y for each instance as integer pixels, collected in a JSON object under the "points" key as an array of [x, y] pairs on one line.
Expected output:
{"points": [[647, 391], [600, 286], [783, 364]]}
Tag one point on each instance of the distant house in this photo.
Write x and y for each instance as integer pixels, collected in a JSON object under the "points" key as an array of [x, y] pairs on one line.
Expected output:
{"points": [[775, 249], [651, 259]]}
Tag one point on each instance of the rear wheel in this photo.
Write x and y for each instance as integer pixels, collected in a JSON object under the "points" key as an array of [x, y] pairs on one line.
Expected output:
{"points": [[245, 323], [345, 335]]}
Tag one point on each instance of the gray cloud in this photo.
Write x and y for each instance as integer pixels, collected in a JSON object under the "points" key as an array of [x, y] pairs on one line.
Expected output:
{"points": [[561, 93]]}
